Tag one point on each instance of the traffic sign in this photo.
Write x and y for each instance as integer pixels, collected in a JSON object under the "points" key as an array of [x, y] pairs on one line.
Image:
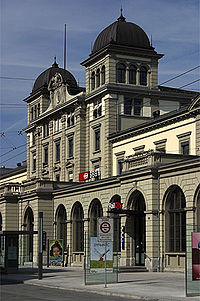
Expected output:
{"points": [[105, 229]]}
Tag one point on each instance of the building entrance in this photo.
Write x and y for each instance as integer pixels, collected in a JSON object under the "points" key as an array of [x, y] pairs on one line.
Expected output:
{"points": [[136, 228]]}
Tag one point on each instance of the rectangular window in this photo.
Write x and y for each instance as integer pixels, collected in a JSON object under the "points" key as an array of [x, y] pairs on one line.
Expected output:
{"points": [[58, 178], [57, 151], [57, 125], [35, 112], [34, 161], [137, 107], [185, 147], [38, 110], [31, 116], [161, 149], [71, 146], [127, 106], [46, 155], [97, 140], [97, 110], [119, 167], [33, 138], [45, 130]]}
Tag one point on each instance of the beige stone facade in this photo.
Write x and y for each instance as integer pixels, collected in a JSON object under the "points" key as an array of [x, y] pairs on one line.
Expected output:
{"points": [[139, 141]]}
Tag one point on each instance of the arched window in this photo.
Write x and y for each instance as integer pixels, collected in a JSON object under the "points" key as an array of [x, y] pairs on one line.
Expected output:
{"points": [[93, 80], [78, 228], [176, 221], [121, 73], [143, 76], [98, 78], [61, 226], [103, 75], [28, 226], [95, 211], [132, 74]]}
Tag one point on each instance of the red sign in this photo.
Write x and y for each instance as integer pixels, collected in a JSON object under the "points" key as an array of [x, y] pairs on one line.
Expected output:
{"points": [[118, 205], [105, 227], [84, 176]]}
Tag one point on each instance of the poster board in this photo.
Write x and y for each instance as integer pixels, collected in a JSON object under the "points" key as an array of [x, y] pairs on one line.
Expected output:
{"points": [[56, 252], [97, 256], [193, 261]]}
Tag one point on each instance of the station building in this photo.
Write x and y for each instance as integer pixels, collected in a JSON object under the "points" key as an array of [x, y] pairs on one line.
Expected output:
{"points": [[123, 139]]}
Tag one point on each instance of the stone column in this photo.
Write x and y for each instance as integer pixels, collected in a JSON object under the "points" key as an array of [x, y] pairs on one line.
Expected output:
{"points": [[110, 127]]}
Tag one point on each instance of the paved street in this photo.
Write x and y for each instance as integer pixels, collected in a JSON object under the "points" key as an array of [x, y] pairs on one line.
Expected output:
{"points": [[149, 286], [25, 292]]}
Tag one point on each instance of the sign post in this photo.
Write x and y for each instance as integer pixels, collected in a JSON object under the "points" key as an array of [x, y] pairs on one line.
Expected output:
{"points": [[105, 234], [40, 236]]}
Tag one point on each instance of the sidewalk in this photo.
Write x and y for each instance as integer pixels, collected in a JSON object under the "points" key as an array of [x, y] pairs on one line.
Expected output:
{"points": [[149, 286]]}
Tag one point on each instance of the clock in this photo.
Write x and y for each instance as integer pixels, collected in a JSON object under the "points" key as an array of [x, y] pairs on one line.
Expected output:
{"points": [[58, 96]]}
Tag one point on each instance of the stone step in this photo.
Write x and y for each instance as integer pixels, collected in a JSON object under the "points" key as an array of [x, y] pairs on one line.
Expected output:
{"points": [[127, 269]]}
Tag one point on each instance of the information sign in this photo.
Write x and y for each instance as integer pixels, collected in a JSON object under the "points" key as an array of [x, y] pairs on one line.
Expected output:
{"points": [[105, 229]]}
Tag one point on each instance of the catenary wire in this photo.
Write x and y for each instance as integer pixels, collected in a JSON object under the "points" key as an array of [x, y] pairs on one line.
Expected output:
{"points": [[189, 83], [13, 157], [14, 148], [190, 70]]}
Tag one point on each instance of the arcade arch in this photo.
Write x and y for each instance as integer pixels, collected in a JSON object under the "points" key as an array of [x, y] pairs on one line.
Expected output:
{"points": [[77, 217], [135, 229], [28, 226], [61, 226], [95, 211], [175, 220]]}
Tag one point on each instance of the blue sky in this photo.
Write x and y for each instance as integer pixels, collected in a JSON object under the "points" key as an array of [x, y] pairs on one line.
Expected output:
{"points": [[32, 33]]}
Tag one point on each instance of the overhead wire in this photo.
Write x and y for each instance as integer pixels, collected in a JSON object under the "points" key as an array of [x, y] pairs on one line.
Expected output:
{"points": [[190, 83], [12, 105], [190, 70], [14, 148], [13, 157]]}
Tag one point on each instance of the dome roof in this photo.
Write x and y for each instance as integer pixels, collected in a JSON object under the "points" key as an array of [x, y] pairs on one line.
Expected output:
{"points": [[44, 78], [122, 33]]}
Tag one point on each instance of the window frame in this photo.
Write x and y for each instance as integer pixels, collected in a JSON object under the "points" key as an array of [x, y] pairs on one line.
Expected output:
{"points": [[121, 73], [57, 151], [132, 74], [97, 139], [143, 76], [46, 155], [34, 161], [176, 221], [103, 75], [92, 80], [98, 78], [70, 146]]}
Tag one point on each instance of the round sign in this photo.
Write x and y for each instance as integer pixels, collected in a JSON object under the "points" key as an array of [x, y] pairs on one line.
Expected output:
{"points": [[105, 227]]}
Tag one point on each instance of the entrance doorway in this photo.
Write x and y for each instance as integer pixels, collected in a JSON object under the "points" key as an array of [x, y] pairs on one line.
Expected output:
{"points": [[136, 228], [28, 240]]}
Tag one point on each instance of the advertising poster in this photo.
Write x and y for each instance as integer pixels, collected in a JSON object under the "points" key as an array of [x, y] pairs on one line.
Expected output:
{"points": [[196, 256], [97, 255], [56, 251]]}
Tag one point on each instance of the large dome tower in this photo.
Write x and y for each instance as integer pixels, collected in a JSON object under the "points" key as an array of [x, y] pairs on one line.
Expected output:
{"points": [[122, 53]]}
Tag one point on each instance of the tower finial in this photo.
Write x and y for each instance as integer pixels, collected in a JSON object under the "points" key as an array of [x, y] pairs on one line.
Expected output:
{"points": [[121, 18], [55, 64]]}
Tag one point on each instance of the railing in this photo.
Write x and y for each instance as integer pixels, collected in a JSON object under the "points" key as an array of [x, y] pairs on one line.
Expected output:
{"points": [[11, 188], [142, 159]]}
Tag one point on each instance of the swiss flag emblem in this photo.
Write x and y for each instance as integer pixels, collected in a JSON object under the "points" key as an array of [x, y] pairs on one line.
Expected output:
{"points": [[84, 176]]}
